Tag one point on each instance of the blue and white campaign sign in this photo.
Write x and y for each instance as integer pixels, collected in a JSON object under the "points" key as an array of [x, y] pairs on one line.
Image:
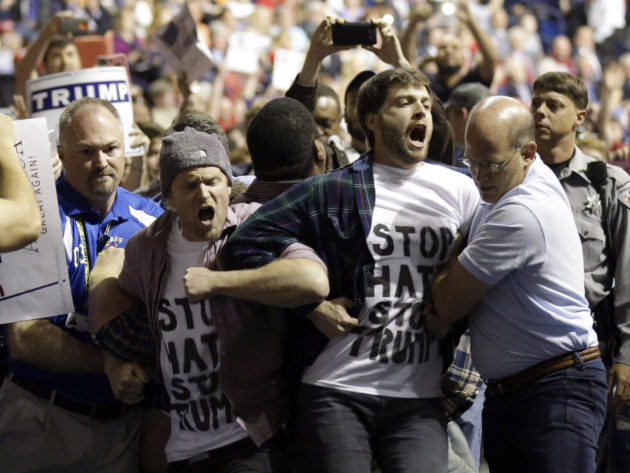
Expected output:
{"points": [[48, 95], [34, 281]]}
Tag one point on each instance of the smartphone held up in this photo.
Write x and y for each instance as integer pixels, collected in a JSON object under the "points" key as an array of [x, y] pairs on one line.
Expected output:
{"points": [[354, 33], [74, 25]]}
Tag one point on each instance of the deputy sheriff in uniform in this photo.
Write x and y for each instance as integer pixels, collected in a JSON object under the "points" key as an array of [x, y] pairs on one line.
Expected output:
{"points": [[599, 195]]}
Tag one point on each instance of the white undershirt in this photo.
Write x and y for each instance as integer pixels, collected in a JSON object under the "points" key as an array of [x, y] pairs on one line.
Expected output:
{"points": [[201, 415]]}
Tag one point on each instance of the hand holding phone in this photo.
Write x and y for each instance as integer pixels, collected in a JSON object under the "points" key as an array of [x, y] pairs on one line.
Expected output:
{"points": [[350, 33], [74, 25]]}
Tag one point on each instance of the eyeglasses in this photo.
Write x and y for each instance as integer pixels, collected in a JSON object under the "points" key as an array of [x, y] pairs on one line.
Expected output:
{"points": [[494, 167]]}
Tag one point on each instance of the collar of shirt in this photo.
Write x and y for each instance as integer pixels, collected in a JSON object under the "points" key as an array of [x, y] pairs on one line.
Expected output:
{"points": [[264, 191], [577, 165]]}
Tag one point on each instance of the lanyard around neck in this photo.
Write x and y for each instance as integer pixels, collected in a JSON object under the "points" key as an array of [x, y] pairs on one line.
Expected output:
{"points": [[101, 242]]}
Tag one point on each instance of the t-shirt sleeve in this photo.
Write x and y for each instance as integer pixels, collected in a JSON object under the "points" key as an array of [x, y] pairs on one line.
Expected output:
{"points": [[470, 204], [511, 238], [129, 279]]}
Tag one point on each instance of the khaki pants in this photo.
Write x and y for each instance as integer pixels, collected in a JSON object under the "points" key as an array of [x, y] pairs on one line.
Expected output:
{"points": [[36, 436]]}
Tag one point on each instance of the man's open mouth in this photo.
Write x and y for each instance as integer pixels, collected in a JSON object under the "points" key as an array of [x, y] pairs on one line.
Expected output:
{"points": [[418, 135], [206, 214]]}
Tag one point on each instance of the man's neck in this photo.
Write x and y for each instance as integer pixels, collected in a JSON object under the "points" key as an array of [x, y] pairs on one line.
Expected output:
{"points": [[359, 145], [558, 152], [102, 205], [386, 158]]}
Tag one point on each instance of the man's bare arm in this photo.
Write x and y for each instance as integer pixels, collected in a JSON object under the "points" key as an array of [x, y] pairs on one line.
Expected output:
{"points": [[43, 344], [287, 283], [331, 317], [20, 220], [456, 291], [36, 52], [489, 54], [106, 299]]}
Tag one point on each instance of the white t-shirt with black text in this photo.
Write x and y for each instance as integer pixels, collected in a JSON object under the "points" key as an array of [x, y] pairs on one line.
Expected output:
{"points": [[201, 415], [416, 216]]}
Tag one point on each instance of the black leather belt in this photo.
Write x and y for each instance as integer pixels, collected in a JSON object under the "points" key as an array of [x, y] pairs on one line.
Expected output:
{"points": [[212, 453], [524, 378], [93, 411]]}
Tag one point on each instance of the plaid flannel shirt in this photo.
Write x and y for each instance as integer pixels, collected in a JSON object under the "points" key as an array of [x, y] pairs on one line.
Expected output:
{"points": [[332, 213]]}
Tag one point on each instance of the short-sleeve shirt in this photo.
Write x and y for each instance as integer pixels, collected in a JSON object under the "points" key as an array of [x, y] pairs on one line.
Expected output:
{"points": [[527, 247]]}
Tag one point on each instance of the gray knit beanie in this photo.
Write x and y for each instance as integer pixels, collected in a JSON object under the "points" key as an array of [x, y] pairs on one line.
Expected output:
{"points": [[187, 149]]}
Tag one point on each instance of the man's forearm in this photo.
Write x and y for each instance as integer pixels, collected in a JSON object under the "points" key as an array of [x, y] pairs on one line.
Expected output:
{"points": [[456, 291], [32, 58], [47, 346], [487, 48], [287, 283], [21, 220]]}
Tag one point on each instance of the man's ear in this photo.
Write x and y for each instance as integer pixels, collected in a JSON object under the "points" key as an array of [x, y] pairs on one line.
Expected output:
{"points": [[319, 151], [579, 119], [60, 152], [372, 120], [529, 152]]}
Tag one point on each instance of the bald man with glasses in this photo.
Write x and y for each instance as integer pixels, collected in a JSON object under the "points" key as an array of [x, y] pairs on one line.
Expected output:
{"points": [[520, 279]]}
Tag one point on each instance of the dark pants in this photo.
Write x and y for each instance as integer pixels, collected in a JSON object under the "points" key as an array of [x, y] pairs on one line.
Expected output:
{"points": [[239, 457], [551, 426], [341, 431]]}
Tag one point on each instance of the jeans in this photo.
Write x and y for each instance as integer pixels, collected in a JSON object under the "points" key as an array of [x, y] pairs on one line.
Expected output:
{"points": [[239, 457], [341, 431], [470, 423], [551, 426]]}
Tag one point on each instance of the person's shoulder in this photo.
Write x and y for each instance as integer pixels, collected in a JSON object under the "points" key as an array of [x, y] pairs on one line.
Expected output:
{"points": [[621, 177], [448, 169], [450, 174], [242, 211], [143, 209], [620, 180]]}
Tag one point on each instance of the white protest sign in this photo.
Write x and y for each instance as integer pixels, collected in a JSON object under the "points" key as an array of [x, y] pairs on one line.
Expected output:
{"points": [[47, 96], [34, 281], [182, 49], [244, 51], [286, 65]]}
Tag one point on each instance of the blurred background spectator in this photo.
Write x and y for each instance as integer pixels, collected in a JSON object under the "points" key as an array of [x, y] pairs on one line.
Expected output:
{"points": [[529, 38]]}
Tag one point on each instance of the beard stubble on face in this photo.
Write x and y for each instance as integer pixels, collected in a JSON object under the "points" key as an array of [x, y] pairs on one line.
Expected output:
{"points": [[395, 142], [102, 183]]}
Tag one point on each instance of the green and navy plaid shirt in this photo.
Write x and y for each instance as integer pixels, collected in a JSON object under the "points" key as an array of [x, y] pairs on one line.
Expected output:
{"points": [[332, 213]]}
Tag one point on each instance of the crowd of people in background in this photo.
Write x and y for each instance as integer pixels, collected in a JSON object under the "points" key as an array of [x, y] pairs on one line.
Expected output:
{"points": [[585, 38], [529, 95]]}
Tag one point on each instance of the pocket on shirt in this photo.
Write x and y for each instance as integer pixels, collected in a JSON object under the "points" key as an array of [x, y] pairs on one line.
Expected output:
{"points": [[593, 241]]}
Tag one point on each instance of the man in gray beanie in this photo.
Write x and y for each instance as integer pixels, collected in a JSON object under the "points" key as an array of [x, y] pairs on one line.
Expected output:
{"points": [[188, 149], [205, 432]]}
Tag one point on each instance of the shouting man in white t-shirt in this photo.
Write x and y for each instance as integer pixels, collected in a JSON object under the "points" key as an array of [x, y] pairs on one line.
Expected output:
{"points": [[382, 225]]}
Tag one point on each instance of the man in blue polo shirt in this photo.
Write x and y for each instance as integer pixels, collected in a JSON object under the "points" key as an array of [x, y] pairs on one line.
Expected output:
{"points": [[58, 403]]}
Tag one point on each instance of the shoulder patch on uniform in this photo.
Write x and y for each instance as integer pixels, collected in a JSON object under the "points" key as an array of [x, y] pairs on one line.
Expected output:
{"points": [[624, 196], [143, 217]]}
